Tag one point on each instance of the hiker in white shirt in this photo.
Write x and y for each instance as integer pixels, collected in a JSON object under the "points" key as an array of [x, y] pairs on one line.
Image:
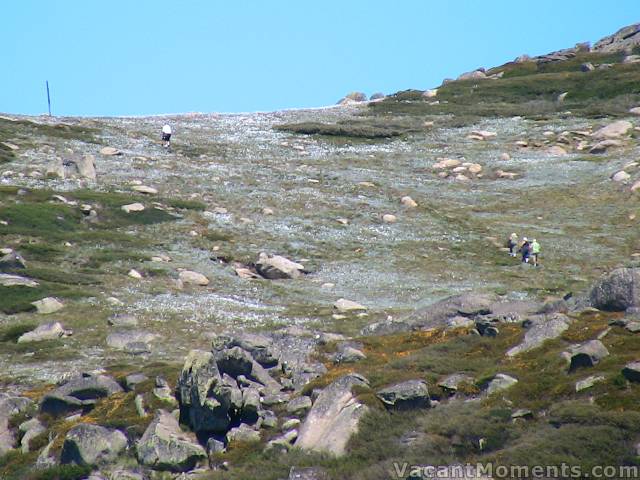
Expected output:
{"points": [[166, 136]]}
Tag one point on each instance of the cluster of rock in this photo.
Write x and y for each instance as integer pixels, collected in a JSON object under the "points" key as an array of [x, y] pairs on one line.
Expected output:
{"points": [[359, 97], [458, 170]]}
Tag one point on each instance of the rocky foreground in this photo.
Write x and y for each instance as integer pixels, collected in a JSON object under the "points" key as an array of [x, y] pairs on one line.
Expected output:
{"points": [[326, 294]]}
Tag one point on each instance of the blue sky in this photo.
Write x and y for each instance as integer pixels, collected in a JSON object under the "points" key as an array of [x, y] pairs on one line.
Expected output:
{"points": [[139, 57]]}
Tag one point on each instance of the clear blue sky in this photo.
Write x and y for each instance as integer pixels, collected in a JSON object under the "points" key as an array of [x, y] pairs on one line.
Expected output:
{"points": [[143, 57]]}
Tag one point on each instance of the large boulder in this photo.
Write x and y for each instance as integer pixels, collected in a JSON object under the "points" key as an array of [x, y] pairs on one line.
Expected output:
{"points": [[276, 267], [87, 444], [631, 371], [587, 354], [406, 395], [204, 400], [500, 382], [12, 261], [614, 130], [80, 393], [86, 167], [333, 418], [165, 447], [617, 291], [8, 280], [541, 330], [48, 305], [48, 331]]}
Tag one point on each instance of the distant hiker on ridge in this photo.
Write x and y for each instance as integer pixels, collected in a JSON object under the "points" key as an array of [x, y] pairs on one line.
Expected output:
{"points": [[535, 251], [166, 135], [526, 250], [512, 243]]}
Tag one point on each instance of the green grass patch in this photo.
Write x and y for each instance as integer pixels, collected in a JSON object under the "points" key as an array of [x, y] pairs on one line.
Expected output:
{"points": [[347, 130], [11, 333], [26, 129]]}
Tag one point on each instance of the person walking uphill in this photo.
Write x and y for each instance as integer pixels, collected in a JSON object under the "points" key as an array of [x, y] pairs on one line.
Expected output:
{"points": [[535, 251], [525, 249], [166, 135], [512, 243]]}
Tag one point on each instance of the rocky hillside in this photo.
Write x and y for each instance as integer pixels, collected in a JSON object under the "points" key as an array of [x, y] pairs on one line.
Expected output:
{"points": [[327, 294]]}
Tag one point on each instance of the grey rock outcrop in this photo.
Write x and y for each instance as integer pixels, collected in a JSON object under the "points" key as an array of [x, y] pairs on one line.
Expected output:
{"points": [[87, 444], [626, 38], [333, 418], [617, 290], [165, 447], [406, 395], [541, 330], [466, 305], [79, 394]]}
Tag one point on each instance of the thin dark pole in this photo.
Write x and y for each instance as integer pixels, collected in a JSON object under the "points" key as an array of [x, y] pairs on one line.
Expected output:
{"points": [[48, 98]]}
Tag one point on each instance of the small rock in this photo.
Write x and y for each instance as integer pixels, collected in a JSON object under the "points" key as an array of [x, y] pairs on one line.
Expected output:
{"points": [[123, 320], [475, 168], [557, 151], [406, 395], [291, 424], [604, 145], [48, 305], [349, 355], [109, 151], [588, 382], [133, 207], [193, 278], [243, 434], [634, 111], [500, 382], [614, 130], [620, 176], [505, 157], [346, 306], [145, 189], [267, 211], [408, 202], [134, 274], [299, 405], [389, 218]]}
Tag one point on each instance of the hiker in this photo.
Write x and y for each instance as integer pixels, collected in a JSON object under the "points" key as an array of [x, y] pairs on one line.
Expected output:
{"points": [[535, 251], [166, 135], [525, 249], [512, 243]]}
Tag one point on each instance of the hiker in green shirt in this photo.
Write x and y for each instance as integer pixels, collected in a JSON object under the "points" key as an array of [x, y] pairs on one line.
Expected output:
{"points": [[535, 251]]}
